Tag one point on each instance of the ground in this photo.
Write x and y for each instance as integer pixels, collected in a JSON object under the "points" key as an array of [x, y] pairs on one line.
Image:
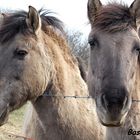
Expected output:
{"points": [[13, 128]]}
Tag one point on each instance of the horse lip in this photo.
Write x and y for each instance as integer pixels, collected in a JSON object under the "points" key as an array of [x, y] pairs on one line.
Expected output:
{"points": [[4, 116], [113, 124]]}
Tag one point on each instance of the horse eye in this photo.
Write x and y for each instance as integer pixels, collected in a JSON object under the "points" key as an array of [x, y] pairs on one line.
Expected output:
{"points": [[20, 54], [93, 43], [137, 47]]}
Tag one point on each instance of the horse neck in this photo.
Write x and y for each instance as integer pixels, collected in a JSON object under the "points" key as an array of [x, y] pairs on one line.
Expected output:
{"points": [[134, 113], [136, 94], [67, 114], [135, 108], [67, 79]]}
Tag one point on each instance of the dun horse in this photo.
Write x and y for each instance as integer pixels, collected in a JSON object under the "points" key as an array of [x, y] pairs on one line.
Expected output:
{"points": [[35, 62], [114, 67]]}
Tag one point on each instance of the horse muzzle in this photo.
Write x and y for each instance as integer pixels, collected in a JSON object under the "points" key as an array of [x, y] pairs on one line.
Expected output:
{"points": [[112, 113]]}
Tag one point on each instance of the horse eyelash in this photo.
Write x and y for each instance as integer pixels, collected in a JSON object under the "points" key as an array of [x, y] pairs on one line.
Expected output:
{"points": [[93, 42], [136, 47]]}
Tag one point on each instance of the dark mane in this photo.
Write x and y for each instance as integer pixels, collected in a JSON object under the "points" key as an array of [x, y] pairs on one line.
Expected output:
{"points": [[15, 22], [113, 18]]}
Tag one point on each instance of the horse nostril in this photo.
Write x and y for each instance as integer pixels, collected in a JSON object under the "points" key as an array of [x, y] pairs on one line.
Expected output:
{"points": [[104, 102], [125, 102]]}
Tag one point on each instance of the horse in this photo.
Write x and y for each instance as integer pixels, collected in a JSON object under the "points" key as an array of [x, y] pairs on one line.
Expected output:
{"points": [[1, 18], [82, 68], [36, 65], [114, 67]]}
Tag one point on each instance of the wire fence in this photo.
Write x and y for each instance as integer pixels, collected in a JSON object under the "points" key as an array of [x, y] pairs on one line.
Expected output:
{"points": [[76, 97]]}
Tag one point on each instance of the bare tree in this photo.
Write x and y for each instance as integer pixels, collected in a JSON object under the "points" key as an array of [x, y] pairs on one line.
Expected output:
{"points": [[78, 44]]}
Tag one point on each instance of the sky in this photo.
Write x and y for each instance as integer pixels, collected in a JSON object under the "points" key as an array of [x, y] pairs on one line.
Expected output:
{"points": [[72, 12]]}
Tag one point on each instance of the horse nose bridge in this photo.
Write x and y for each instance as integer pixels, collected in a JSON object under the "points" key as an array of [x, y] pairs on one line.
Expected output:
{"points": [[115, 94], [112, 68], [113, 84]]}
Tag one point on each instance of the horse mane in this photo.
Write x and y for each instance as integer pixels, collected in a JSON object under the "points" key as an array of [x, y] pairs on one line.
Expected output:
{"points": [[114, 17], [15, 23]]}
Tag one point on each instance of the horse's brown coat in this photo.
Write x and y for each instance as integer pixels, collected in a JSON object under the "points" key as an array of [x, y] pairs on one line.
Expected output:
{"points": [[33, 55]]}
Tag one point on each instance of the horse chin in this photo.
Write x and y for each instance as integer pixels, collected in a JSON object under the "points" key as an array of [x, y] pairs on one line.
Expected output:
{"points": [[113, 123], [4, 116]]}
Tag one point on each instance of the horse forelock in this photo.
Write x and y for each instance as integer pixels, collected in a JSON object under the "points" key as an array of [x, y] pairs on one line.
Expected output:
{"points": [[114, 17], [15, 22]]}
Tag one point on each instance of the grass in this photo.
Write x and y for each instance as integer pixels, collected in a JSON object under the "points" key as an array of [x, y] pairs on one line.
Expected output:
{"points": [[14, 125]]}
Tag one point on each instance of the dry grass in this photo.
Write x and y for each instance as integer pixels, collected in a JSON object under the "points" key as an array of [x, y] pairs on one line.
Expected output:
{"points": [[14, 125]]}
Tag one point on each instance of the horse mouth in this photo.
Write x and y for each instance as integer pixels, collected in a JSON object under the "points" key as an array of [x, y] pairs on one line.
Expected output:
{"points": [[115, 124], [4, 116], [111, 121]]}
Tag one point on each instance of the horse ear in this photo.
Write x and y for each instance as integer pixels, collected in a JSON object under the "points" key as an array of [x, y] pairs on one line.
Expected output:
{"points": [[93, 6], [33, 20], [2, 16], [135, 11]]}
